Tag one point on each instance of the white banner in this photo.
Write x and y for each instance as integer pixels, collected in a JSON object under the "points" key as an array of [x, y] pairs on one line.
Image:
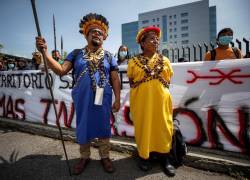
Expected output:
{"points": [[211, 102]]}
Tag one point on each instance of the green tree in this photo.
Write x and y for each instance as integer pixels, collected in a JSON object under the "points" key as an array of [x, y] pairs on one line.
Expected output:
{"points": [[1, 47], [64, 54]]}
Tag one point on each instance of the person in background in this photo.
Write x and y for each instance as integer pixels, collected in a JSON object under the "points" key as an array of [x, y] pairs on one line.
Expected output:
{"points": [[57, 56], [3, 66], [123, 55], [224, 51], [12, 65], [30, 64], [151, 108], [95, 74], [37, 60], [22, 64]]}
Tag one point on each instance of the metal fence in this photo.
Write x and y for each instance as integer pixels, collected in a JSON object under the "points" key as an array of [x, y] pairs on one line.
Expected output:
{"points": [[196, 52]]}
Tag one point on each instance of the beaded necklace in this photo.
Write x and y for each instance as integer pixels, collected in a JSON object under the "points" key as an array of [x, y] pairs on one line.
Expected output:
{"points": [[95, 62], [150, 73], [156, 70]]}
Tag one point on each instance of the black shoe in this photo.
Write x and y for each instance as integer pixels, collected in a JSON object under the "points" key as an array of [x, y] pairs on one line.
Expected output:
{"points": [[154, 157], [168, 168], [145, 165]]}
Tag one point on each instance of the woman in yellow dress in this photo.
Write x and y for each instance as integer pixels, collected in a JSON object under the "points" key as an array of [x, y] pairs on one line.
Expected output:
{"points": [[150, 100]]}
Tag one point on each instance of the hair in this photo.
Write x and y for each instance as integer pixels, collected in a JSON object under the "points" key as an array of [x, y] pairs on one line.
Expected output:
{"points": [[53, 51], [224, 30], [142, 40], [123, 46]]}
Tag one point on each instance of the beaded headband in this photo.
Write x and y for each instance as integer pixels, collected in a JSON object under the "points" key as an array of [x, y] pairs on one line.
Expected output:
{"points": [[93, 20]]}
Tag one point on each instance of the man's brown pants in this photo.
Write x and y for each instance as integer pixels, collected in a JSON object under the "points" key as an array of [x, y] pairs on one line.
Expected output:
{"points": [[103, 146]]}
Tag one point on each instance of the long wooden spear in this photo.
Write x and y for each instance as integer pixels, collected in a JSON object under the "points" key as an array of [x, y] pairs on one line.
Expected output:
{"points": [[49, 81], [61, 47], [54, 29]]}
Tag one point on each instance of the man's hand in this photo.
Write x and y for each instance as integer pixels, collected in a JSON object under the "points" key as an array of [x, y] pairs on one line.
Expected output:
{"points": [[116, 106], [41, 44]]}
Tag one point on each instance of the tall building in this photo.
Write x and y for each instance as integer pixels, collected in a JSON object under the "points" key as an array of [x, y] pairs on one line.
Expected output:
{"points": [[129, 31], [181, 26], [212, 24]]}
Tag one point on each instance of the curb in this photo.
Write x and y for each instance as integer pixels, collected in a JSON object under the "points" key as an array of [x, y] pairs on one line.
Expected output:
{"points": [[231, 163]]}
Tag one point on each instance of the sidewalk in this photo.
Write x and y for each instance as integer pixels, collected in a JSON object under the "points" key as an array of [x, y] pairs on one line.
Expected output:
{"points": [[233, 164]]}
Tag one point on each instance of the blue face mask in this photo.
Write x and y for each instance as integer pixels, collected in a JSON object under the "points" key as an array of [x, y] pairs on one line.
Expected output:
{"points": [[11, 66], [123, 54], [225, 40]]}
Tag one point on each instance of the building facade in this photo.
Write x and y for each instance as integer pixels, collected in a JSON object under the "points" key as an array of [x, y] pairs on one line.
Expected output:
{"points": [[212, 24], [181, 26], [129, 32]]}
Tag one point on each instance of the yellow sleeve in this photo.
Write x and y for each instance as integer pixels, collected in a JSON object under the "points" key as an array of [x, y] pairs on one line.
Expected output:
{"points": [[167, 70], [208, 56], [130, 68]]}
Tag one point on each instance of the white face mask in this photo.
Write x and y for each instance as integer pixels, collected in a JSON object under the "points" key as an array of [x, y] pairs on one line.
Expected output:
{"points": [[123, 54], [11, 66]]}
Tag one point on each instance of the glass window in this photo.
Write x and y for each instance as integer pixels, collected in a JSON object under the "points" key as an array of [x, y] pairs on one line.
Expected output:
{"points": [[145, 21], [175, 29], [184, 14], [184, 35], [170, 37], [175, 36], [158, 19], [174, 22], [175, 16], [184, 21], [170, 30], [184, 28], [170, 23], [153, 20], [170, 17], [185, 41], [164, 29]]}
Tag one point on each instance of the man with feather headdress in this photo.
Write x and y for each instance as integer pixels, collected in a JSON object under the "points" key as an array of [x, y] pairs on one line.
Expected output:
{"points": [[95, 75]]}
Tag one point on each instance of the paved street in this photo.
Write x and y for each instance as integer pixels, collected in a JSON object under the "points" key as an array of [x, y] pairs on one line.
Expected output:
{"points": [[26, 156]]}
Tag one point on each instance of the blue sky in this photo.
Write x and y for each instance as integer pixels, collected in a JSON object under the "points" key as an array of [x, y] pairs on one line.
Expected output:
{"points": [[17, 31]]}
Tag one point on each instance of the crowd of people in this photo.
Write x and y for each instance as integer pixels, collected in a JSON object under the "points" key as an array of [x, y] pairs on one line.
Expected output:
{"points": [[14, 64], [17, 63]]}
